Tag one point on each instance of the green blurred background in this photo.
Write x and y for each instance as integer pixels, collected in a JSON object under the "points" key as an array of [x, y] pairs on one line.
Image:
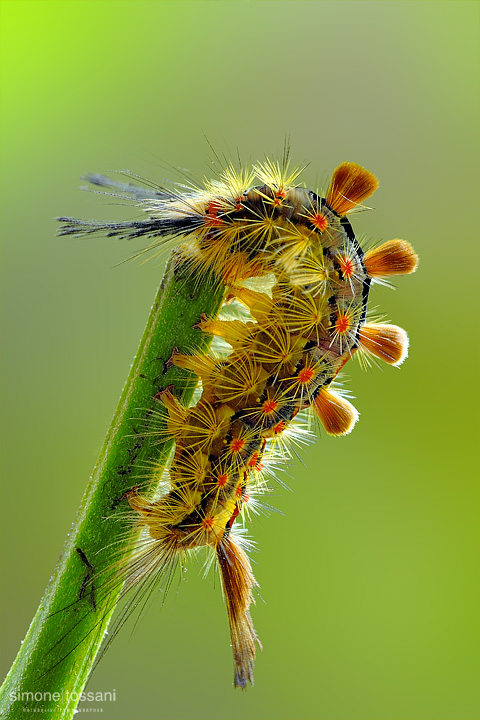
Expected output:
{"points": [[370, 579]]}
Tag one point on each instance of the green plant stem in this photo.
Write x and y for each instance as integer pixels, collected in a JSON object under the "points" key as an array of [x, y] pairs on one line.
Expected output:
{"points": [[66, 633]]}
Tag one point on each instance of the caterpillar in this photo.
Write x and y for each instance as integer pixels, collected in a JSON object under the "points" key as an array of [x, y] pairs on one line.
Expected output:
{"points": [[290, 258]]}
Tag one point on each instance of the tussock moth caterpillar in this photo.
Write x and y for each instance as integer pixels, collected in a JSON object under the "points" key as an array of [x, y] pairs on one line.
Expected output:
{"points": [[290, 258]]}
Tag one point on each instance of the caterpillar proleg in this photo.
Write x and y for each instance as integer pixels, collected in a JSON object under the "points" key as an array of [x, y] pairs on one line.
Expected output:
{"points": [[288, 260]]}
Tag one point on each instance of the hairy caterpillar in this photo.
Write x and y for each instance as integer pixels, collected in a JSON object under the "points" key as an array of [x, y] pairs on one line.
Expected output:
{"points": [[304, 324]]}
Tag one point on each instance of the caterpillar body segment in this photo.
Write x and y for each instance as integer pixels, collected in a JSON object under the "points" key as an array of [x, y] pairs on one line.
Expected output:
{"points": [[282, 361]]}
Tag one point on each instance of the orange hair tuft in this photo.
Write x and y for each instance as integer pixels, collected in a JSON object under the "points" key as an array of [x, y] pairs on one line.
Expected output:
{"points": [[349, 186], [394, 257], [387, 342]]}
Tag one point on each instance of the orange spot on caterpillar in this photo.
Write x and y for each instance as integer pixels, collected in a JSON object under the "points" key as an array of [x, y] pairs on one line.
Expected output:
{"points": [[237, 444], [207, 522], [222, 480], [211, 216], [305, 375], [269, 406], [253, 460], [319, 221], [343, 323], [279, 427], [346, 265], [239, 491]]}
